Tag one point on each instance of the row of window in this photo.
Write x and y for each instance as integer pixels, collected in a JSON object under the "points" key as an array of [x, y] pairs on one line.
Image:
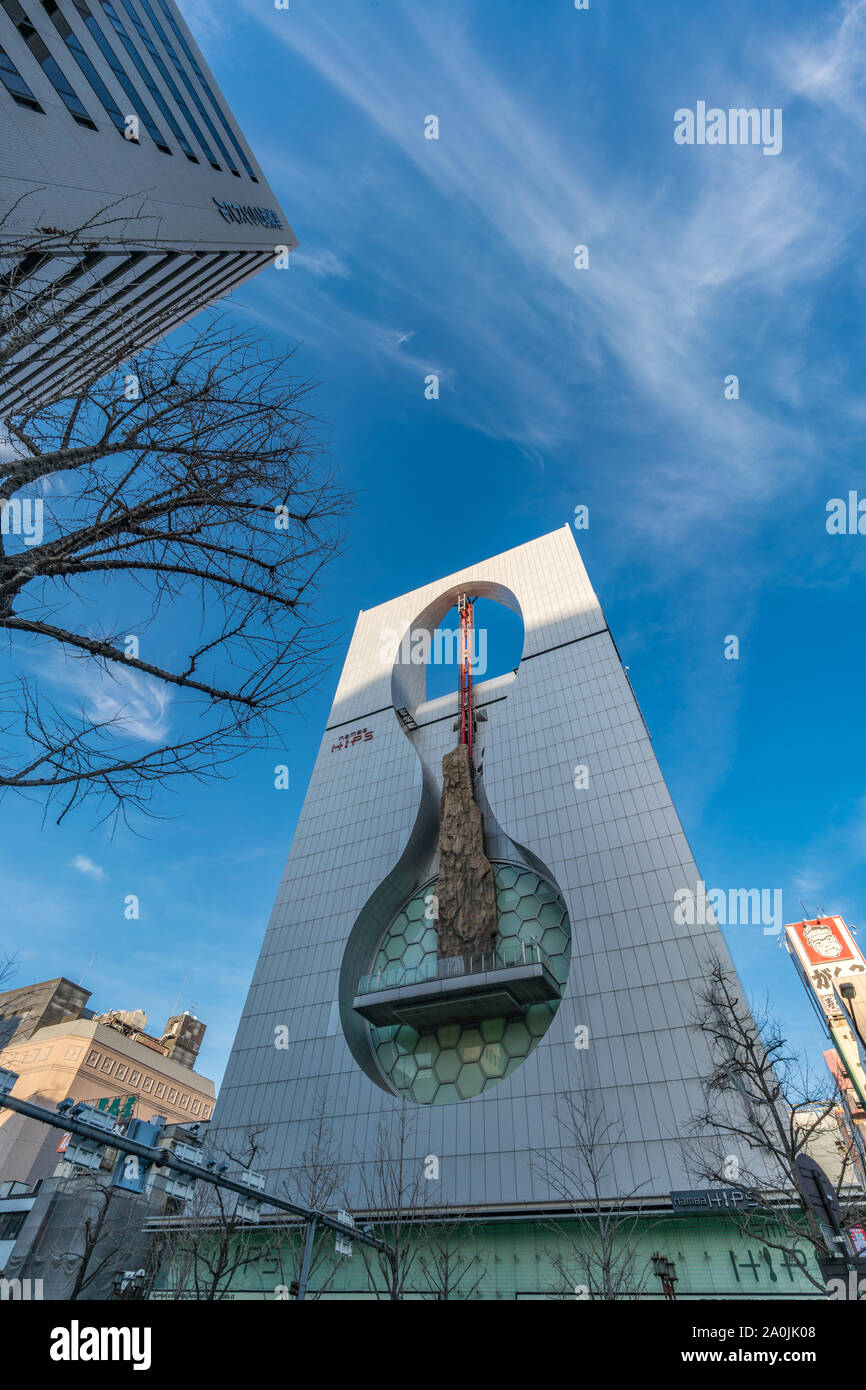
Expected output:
{"points": [[19, 90], [122, 1073], [156, 288]]}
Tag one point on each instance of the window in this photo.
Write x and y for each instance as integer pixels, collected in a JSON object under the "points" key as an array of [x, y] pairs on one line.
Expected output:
{"points": [[48, 63], [93, 1059], [184, 1101], [160, 1090], [120, 1074], [119, 71], [11, 1223], [169, 82], [117, 25], [15, 84], [147, 1085], [172, 1096], [204, 82], [195, 1107], [73, 43], [134, 1078], [184, 77], [107, 1065]]}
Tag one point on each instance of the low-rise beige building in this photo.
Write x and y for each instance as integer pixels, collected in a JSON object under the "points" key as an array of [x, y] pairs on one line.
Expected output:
{"points": [[105, 1059]]}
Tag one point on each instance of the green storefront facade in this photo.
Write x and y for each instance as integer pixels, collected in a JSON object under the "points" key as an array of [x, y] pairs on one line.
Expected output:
{"points": [[714, 1257]]}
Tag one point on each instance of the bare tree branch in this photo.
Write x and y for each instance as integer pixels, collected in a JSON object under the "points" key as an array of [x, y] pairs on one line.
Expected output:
{"points": [[180, 514]]}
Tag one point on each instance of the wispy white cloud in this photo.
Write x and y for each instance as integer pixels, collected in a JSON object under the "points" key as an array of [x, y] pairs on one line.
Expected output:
{"points": [[654, 313], [85, 865], [836, 851], [323, 264], [831, 69], [133, 704]]}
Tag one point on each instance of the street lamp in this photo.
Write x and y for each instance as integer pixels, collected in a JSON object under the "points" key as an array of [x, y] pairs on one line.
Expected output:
{"points": [[665, 1270]]}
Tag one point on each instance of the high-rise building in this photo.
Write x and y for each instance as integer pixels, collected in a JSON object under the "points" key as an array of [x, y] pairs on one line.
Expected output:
{"points": [[383, 977], [129, 197]]}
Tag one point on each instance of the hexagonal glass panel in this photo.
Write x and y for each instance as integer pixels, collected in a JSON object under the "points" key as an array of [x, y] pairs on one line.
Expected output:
{"points": [[493, 1059], [447, 1095], [537, 1019], [426, 1050], [492, 1029], [550, 915], [425, 1086], [470, 1082], [448, 1035], [406, 1038], [516, 1039], [509, 924], [394, 948], [404, 1071], [387, 1054], [447, 1065]]}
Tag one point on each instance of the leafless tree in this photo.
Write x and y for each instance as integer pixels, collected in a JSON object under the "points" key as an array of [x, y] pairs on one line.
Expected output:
{"points": [[396, 1201], [202, 1250], [763, 1109], [112, 1218], [598, 1251], [163, 534], [317, 1182], [451, 1264], [90, 1231]]}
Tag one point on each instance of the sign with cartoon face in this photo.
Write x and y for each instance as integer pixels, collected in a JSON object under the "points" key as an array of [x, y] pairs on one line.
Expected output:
{"points": [[827, 953], [823, 940]]}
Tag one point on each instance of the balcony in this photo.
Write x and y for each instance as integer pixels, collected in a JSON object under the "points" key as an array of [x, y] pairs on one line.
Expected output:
{"points": [[458, 989]]}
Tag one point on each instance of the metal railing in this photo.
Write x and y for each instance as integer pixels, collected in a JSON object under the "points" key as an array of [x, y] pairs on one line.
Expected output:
{"points": [[504, 957]]}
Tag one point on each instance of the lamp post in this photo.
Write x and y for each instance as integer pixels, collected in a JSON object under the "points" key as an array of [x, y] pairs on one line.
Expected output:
{"points": [[665, 1270]]}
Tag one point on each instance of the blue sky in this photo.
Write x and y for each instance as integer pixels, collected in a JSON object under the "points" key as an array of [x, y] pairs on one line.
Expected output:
{"points": [[559, 387]]}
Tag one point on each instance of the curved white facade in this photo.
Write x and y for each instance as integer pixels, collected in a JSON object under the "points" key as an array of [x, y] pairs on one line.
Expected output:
{"points": [[367, 838]]}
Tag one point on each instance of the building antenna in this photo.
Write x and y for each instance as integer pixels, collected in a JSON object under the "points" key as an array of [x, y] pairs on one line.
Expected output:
{"points": [[177, 1000]]}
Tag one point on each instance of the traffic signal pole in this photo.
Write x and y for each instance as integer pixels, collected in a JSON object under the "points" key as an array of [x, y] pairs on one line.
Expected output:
{"points": [[164, 1158]]}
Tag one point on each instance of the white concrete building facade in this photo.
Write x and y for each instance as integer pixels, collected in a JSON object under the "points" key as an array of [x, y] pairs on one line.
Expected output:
{"points": [[587, 864]]}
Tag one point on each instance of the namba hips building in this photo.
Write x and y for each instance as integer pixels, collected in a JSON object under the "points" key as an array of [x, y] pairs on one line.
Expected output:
{"points": [[468, 935]]}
